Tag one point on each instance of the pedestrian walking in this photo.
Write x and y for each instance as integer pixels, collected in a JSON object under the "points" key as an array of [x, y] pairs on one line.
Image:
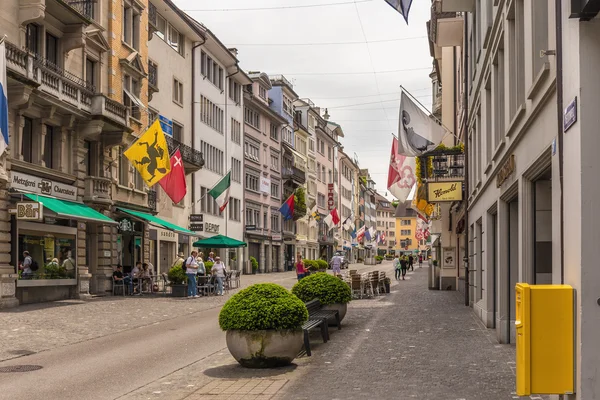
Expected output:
{"points": [[300, 268], [403, 266], [420, 260], [219, 272], [191, 269], [411, 260], [336, 264], [396, 264]]}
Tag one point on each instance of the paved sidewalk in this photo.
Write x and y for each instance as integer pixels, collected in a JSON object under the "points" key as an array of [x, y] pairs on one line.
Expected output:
{"points": [[413, 343]]}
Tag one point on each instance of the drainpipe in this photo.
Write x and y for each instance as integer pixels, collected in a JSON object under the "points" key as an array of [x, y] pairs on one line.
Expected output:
{"points": [[466, 142], [559, 120], [193, 91], [237, 66]]}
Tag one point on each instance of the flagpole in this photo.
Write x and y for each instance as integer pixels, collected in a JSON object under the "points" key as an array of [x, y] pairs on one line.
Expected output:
{"points": [[429, 112]]}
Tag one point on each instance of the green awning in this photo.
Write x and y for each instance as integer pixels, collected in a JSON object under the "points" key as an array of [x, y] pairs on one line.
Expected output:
{"points": [[70, 209], [157, 221], [219, 242]]}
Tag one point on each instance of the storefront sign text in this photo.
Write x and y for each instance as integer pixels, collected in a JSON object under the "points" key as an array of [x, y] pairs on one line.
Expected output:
{"points": [[125, 225], [211, 228], [444, 191], [196, 227], [35, 184], [570, 115], [276, 237], [30, 211], [265, 185], [506, 171], [168, 235], [330, 197], [197, 218]]}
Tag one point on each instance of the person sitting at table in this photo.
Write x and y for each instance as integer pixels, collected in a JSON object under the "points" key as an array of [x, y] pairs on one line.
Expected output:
{"points": [[147, 276], [136, 274], [118, 277], [211, 257], [201, 266]]}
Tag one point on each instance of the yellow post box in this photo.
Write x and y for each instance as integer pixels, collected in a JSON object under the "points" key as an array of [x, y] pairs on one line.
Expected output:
{"points": [[545, 331]]}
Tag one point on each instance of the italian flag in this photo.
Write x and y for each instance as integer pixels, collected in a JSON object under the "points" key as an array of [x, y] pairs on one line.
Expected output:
{"points": [[220, 192]]}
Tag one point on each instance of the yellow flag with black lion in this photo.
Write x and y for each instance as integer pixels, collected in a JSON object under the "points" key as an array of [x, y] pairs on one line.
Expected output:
{"points": [[150, 155]]}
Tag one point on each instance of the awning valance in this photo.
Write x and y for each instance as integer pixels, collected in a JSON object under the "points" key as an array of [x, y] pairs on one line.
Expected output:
{"points": [[156, 221], [70, 209]]}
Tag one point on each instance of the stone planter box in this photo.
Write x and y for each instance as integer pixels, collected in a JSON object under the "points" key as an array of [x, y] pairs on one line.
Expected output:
{"points": [[342, 308], [179, 290], [264, 349]]}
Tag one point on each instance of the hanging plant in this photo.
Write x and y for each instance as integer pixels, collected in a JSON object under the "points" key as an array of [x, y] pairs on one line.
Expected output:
{"points": [[299, 203]]}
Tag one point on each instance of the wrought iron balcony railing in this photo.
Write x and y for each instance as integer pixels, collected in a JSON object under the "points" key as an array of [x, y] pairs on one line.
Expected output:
{"points": [[83, 7], [192, 158], [152, 203], [294, 174]]}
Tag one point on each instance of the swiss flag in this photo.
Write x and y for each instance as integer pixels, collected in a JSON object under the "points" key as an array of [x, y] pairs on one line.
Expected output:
{"points": [[174, 182]]}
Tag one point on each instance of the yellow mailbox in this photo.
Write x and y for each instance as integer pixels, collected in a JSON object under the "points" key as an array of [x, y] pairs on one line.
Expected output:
{"points": [[544, 328]]}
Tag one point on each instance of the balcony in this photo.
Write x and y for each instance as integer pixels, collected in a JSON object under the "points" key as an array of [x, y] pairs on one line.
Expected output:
{"points": [[446, 28], [68, 12], [152, 20], [97, 190], [294, 174], [448, 165], [289, 229], [192, 159], [152, 79], [83, 7], [111, 110], [437, 105]]}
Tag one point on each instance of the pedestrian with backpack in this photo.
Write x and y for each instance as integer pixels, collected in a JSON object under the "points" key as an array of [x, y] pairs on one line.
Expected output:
{"points": [[403, 266], [28, 266], [191, 269]]}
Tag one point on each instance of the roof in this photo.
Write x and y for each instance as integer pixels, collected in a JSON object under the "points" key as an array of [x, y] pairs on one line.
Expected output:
{"points": [[404, 211]]}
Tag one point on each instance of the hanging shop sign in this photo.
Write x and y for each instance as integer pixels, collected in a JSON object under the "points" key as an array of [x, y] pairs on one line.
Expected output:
{"points": [[211, 228], [444, 191], [330, 197], [570, 115], [197, 227], [197, 218], [506, 171], [35, 184], [166, 125], [29, 211], [265, 185], [276, 237], [448, 257]]}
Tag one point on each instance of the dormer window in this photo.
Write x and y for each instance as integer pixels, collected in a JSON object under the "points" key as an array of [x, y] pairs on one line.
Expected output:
{"points": [[262, 93]]}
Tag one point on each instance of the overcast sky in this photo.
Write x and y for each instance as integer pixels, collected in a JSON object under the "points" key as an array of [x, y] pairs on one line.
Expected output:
{"points": [[267, 41]]}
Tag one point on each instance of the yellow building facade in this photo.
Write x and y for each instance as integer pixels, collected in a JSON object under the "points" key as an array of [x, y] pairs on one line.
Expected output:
{"points": [[406, 227]]}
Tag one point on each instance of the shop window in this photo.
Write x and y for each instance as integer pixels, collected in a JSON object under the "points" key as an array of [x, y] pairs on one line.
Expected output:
{"points": [[54, 254]]}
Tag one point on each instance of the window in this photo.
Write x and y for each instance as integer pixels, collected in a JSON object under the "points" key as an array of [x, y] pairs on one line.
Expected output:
{"points": [[405, 232], [275, 190], [177, 92], [498, 96], [253, 215], [540, 35], [236, 170], [301, 145], [213, 158], [91, 71], [27, 140], [46, 246], [319, 172], [252, 151], [265, 220], [123, 168], [516, 62], [252, 118], [405, 222], [391, 234], [311, 123], [321, 200], [50, 147], [169, 34], [274, 132], [329, 153], [262, 92], [138, 182], [287, 135], [174, 38], [275, 161], [208, 205], [311, 145], [330, 177], [131, 96], [52, 50], [234, 207], [161, 25], [236, 131], [131, 25], [32, 38], [252, 182], [287, 105], [211, 114], [275, 227], [211, 70], [235, 91], [177, 132], [392, 224]]}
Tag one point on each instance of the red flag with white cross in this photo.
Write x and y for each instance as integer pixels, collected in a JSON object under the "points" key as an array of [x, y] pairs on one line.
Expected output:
{"points": [[174, 183]]}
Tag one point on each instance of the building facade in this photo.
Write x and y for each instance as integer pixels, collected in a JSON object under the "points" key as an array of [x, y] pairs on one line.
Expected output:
{"points": [[263, 192], [406, 226], [347, 177], [386, 225]]}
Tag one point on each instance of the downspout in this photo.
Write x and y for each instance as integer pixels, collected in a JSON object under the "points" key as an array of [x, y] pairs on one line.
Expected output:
{"points": [[559, 120], [226, 83], [193, 92], [466, 143]]}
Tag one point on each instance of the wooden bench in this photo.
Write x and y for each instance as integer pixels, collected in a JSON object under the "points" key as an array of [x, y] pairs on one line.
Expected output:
{"points": [[313, 322], [315, 312]]}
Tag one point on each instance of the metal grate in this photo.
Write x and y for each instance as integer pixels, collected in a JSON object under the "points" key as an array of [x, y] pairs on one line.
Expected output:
{"points": [[20, 368]]}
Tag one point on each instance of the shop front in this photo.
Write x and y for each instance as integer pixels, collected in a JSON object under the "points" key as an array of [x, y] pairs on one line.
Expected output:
{"points": [[48, 244]]}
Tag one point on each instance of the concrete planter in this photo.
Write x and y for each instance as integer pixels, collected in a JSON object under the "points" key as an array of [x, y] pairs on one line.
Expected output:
{"points": [[179, 290], [264, 349], [342, 308]]}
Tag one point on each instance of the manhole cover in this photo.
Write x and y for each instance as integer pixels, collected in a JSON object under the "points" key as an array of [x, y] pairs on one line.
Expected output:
{"points": [[20, 368]]}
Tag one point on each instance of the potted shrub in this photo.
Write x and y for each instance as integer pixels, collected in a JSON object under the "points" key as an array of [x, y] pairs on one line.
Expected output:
{"points": [[333, 293], [378, 259], [311, 265], [208, 266], [177, 281], [254, 264], [264, 326], [387, 282], [322, 264]]}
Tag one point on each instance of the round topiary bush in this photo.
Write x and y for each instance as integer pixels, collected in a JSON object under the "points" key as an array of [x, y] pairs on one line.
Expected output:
{"points": [[254, 263], [177, 276], [327, 288], [322, 264], [263, 306], [311, 265]]}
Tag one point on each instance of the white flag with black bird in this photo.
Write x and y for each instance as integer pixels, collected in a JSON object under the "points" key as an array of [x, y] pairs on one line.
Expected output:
{"points": [[418, 132]]}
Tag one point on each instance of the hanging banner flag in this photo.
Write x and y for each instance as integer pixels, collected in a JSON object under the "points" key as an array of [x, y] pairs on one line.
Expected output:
{"points": [[402, 6], [150, 155], [221, 191], [332, 219], [418, 132], [401, 174], [287, 208], [174, 183], [3, 100]]}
